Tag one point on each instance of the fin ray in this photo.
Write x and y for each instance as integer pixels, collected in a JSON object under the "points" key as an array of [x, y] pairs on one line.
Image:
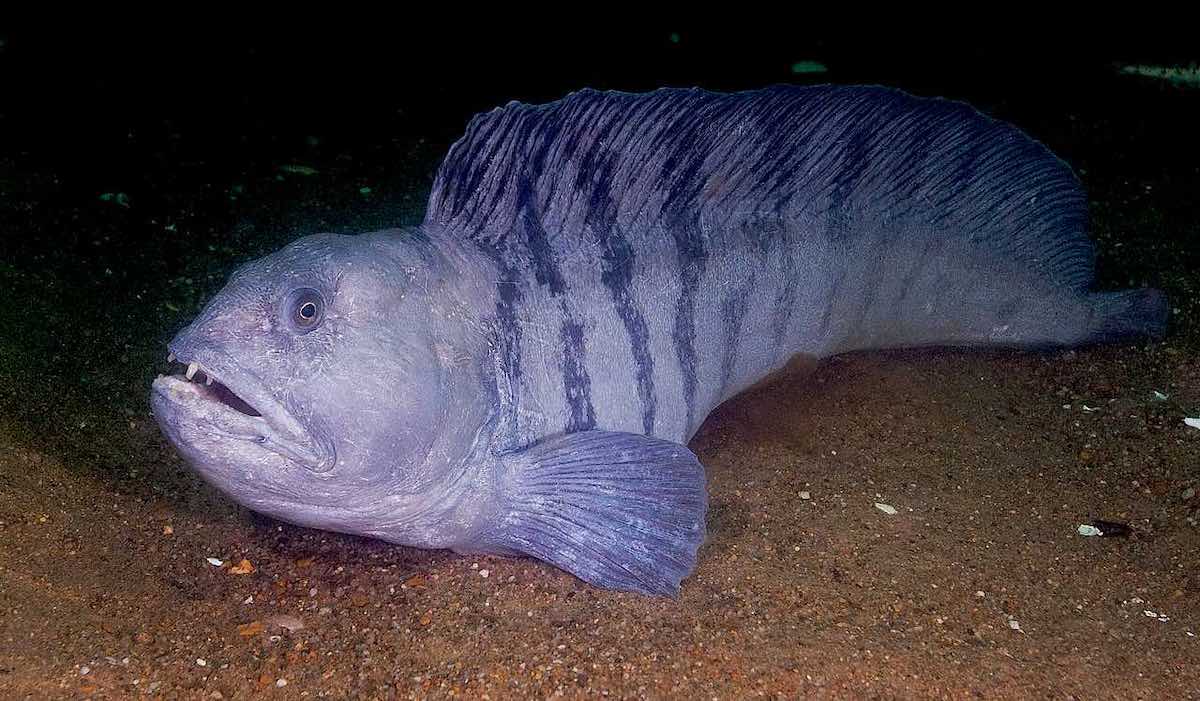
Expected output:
{"points": [[633, 521], [676, 157]]}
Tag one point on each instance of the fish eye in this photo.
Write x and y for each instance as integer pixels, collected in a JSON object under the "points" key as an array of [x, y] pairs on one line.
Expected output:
{"points": [[307, 309]]}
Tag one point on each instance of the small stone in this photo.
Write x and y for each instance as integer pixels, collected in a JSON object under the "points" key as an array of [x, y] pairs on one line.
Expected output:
{"points": [[85, 670], [886, 508], [286, 621], [980, 595], [201, 661], [312, 592], [167, 530], [805, 496], [247, 630], [243, 567], [484, 573], [281, 682]]}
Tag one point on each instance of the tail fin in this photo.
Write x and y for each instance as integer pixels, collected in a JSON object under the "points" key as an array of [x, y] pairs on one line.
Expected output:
{"points": [[1128, 315]]}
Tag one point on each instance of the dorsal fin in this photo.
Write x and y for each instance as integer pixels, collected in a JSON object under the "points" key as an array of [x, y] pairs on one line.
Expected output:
{"points": [[674, 157]]}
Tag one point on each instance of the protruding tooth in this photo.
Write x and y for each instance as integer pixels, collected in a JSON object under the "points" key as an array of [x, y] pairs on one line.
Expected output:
{"points": [[192, 368], [208, 379], [170, 357]]}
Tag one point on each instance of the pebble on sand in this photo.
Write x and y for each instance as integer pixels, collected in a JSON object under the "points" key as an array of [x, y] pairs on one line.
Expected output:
{"points": [[286, 621], [250, 629], [243, 567]]}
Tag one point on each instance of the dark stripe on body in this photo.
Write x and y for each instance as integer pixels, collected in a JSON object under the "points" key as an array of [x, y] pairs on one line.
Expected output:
{"points": [[785, 303], [692, 257], [576, 383], [509, 297], [689, 148], [616, 274], [733, 312]]}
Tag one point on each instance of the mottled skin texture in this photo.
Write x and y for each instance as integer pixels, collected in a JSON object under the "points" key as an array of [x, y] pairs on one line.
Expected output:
{"points": [[520, 373]]}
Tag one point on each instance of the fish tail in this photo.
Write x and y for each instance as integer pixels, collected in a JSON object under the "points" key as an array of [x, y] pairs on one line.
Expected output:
{"points": [[1128, 315]]}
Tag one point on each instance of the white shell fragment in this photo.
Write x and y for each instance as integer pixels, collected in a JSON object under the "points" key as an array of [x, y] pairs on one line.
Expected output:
{"points": [[286, 621], [1087, 529], [886, 508]]}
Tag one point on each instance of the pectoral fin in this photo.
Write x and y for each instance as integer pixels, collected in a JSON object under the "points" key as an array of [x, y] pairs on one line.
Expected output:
{"points": [[618, 510]]}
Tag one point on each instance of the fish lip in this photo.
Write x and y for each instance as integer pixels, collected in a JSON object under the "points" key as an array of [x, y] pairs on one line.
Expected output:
{"points": [[275, 429]]}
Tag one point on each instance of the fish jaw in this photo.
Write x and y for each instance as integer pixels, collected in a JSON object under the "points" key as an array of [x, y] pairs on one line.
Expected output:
{"points": [[225, 404]]}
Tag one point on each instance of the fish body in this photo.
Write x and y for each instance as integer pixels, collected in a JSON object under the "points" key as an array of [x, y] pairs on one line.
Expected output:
{"points": [[521, 372]]}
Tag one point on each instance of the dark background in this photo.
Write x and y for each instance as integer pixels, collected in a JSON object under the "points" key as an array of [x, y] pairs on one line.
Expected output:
{"points": [[122, 107], [139, 163]]}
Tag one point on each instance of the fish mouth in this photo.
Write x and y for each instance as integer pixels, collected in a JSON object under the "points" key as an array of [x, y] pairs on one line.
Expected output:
{"points": [[233, 404]]}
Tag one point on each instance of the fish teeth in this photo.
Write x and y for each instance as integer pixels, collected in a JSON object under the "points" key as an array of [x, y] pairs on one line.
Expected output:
{"points": [[191, 371], [208, 380], [170, 357]]}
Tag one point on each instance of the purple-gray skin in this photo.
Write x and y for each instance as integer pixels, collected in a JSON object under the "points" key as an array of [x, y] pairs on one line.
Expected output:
{"points": [[520, 373]]}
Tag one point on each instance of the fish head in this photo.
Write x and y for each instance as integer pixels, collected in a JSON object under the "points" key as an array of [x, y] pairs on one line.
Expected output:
{"points": [[317, 380]]}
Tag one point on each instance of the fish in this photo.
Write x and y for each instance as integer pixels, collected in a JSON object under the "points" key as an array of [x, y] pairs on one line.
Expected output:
{"points": [[520, 373]]}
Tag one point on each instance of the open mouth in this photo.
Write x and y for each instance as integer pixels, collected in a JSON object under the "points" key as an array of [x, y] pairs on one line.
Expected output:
{"points": [[214, 392]]}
